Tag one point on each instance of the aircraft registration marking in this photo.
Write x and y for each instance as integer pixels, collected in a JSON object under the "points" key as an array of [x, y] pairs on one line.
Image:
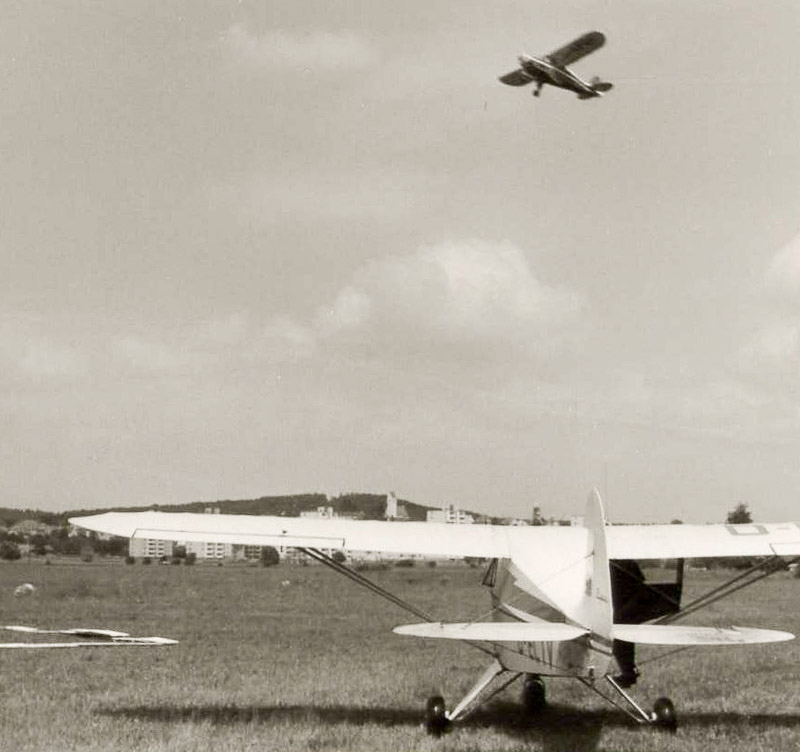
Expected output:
{"points": [[757, 529]]}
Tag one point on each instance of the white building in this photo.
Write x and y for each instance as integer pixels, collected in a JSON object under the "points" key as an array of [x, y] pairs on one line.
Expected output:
{"points": [[451, 514], [320, 513], [147, 547]]}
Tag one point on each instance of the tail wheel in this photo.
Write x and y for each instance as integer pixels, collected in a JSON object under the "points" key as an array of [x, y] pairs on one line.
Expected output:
{"points": [[664, 715], [533, 694], [436, 721]]}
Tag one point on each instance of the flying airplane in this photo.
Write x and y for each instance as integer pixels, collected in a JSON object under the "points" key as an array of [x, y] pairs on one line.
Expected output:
{"points": [[88, 638], [586, 578], [552, 69]]}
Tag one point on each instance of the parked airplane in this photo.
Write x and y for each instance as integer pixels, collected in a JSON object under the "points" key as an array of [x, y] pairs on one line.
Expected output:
{"points": [[88, 638], [552, 69], [586, 577]]}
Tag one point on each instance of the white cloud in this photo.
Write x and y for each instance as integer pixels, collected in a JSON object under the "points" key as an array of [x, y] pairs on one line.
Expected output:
{"points": [[309, 52], [468, 296], [783, 274], [774, 345], [151, 355], [31, 352], [467, 302]]}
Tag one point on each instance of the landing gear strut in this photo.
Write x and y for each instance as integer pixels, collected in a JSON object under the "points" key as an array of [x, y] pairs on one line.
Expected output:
{"points": [[662, 717]]}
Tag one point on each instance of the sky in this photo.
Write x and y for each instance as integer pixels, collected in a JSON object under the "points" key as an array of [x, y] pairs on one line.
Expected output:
{"points": [[260, 248]]}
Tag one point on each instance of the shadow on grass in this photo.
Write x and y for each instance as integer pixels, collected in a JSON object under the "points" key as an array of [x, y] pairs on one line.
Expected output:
{"points": [[559, 728]]}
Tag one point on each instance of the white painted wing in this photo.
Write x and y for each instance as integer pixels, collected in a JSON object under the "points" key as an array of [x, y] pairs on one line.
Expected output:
{"points": [[98, 637], [77, 632], [116, 643], [495, 631], [547, 544], [699, 541], [666, 634]]}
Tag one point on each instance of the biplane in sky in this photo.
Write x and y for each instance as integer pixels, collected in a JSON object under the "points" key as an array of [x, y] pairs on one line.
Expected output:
{"points": [[552, 69], [599, 604]]}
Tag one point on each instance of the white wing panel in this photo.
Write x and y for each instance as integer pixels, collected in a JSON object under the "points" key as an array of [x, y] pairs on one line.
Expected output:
{"points": [[355, 535], [698, 541]]}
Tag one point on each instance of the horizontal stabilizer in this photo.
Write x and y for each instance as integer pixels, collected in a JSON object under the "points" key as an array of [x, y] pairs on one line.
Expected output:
{"points": [[666, 634], [495, 631]]}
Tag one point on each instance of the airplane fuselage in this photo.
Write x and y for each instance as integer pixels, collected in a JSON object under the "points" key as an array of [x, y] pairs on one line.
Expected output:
{"points": [[542, 71]]}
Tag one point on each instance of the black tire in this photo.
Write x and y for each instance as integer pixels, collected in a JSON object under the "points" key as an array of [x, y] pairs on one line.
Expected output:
{"points": [[664, 715], [436, 721], [534, 697]]}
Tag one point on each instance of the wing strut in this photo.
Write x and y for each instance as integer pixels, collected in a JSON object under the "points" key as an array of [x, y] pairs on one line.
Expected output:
{"points": [[754, 574], [359, 579], [373, 587]]}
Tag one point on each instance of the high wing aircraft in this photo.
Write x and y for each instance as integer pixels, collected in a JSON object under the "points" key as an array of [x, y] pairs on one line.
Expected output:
{"points": [[552, 69], [87, 638], [600, 603]]}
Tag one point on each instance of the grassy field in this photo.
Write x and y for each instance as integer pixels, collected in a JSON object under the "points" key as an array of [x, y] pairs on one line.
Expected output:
{"points": [[313, 665]]}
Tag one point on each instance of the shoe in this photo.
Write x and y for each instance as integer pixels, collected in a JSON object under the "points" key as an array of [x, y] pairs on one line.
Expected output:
{"points": [[627, 679]]}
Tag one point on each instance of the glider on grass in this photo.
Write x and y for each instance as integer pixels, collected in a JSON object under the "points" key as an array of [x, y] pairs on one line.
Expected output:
{"points": [[552, 69], [86, 638], [599, 603]]}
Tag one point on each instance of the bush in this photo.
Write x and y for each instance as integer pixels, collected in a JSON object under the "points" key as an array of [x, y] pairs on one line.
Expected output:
{"points": [[191, 558], [87, 557], [147, 560], [269, 556], [432, 564], [130, 560], [9, 551], [405, 563], [371, 566]]}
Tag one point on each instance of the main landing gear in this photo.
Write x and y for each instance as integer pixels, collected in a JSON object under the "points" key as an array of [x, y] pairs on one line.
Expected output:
{"points": [[438, 720], [662, 717]]}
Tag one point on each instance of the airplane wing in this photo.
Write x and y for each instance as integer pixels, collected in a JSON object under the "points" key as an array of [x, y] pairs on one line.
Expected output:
{"points": [[516, 78], [543, 547], [702, 541], [422, 538], [577, 48], [495, 631], [96, 638], [664, 634]]}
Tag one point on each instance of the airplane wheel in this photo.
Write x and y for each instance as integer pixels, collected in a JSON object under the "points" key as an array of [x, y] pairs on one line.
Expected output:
{"points": [[436, 721], [664, 715], [533, 694]]}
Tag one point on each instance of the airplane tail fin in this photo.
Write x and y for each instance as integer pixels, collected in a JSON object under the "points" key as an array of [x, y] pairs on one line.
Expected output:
{"points": [[598, 585]]}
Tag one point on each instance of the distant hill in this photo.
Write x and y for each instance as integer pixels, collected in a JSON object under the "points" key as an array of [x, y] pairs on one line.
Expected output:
{"points": [[362, 505]]}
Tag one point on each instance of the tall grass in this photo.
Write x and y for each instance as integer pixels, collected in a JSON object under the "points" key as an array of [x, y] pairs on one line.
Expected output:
{"points": [[313, 665]]}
